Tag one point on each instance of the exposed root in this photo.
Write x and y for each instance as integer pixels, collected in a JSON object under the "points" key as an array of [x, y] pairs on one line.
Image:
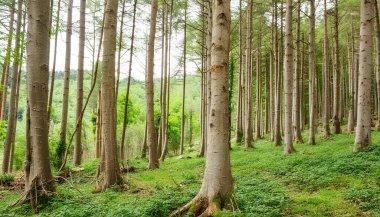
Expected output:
{"points": [[203, 207]]}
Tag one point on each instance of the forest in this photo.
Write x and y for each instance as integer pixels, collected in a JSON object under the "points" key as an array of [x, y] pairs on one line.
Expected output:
{"points": [[190, 108]]}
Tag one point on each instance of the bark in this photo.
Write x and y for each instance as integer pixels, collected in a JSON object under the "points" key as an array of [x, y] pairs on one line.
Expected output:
{"points": [[239, 118], [184, 85], [125, 119], [144, 145], [267, 96], [312, 73], [326, 78], [66, 84], [248, 95], [296, 80], [39, 180], [203, 86], [149, 87], [51, 91], [277, 115], [336, 79], [258, 91], [272, 74], [288, 79], [112, 171], [377, 23], [98, 130], [7, 61], [12, 113], [82, 37], [363, 128], [216, 190]]}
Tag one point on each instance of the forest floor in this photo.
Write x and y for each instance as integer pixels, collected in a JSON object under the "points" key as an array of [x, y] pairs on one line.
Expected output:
{"points": [[322, 180]]}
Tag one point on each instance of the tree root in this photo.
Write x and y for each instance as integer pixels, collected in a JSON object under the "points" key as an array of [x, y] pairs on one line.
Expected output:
{"points": [[203, 207]]}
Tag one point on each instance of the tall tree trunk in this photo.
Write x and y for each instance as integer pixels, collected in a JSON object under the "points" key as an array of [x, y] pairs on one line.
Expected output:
{"points": [[312, 76], [51, 90], [272, 74], [203, 85], [82, 37], [377, 63], [144, 145], [268, 82], [125, 119], [336, 81], [258, 91], [351, 65], [7, 61], [112, 171], [184, 85], [12, 113], [296, 80], [288, 78], [38, 176], [216, 191], [326, 78], [149, 87], [302, 104], [277, 116], [363, 128], [239, 118], [248, 95], [120, 46], [66, 84]]}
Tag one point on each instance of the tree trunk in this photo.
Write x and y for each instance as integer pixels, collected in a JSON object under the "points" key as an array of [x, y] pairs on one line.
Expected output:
{"points": [[326, 78], [277, 116], [149, 87], [98, 130], [239, 118], [66, 84], [377, 22], [144, 145], [363, 128], [203, 86], [216, 191], [112, 172], [288, 79], [248, 85], [183, 86], [296, 80], [51, 91], [12, 113], [38, 177], [312, 75], [120, 46], [125, 119], [336, 81], [258, 91], [82, 37]]}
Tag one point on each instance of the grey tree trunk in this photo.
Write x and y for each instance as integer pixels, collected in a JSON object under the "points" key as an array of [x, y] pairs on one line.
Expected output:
{"points": [[149, 87], [277, 115], [312, 75], [112, 171], [183, 86], [248, 94], [363, 127], [377, 23], [326, 78], [216, 191], [288, 79], [66, 80], [239, 118], [82, 37], [336, 79]]}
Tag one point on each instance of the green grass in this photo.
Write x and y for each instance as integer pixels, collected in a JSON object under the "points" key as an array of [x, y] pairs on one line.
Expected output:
{"points": [[323, 180]]}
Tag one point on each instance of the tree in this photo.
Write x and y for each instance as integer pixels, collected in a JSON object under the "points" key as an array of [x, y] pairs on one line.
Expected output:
{"points": [[239, 118], [312, 68], [216, 190], [248, 86], [12, 114], [288, 79], [82, 38], [122, 154], [258, 90], [66, 85], [184, 84], [377, 23], [149, 88], [326, 78], [363, 127], [38, 177], [277, 115], [112, 171], [336, 83]]}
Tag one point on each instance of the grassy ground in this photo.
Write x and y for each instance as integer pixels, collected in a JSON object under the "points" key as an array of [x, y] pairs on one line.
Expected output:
{"points": [[322, 180]]}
